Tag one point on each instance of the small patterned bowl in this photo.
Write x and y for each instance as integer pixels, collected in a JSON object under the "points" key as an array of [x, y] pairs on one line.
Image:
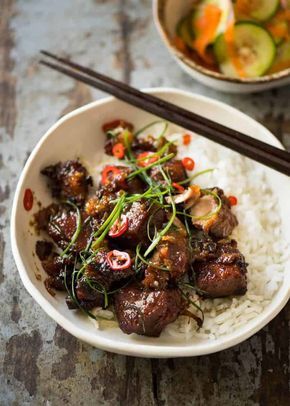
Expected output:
{"points": [[167, 13]]}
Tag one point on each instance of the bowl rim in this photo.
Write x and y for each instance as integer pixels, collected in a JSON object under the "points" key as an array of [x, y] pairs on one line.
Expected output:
{"points": [[158, 8], [110, 344]]}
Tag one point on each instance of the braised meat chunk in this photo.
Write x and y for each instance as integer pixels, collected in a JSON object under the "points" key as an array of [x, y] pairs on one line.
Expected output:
{"points": [[224, 275], [62, 226], [170, 260], [203, 247], [100, 272], [115, 178], [115, 131], [57, 269], [138, 214], [220, 224], [173, 169], [147, 312], [43, 249], [68, 180]]}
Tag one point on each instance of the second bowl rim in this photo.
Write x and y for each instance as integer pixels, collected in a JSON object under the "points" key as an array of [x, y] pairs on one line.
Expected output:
{"points": [[158, 7]]}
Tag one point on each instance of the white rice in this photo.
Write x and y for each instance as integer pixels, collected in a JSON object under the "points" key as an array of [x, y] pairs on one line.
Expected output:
{"points": [[258, 235]]}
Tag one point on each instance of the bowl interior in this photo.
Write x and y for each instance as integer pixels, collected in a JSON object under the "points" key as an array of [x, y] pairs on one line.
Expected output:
{"points": [[79, 134], [167, 15]]}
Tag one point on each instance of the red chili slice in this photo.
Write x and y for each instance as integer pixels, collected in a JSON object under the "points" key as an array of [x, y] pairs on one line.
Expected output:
{"points": [[146, 158], [118, 260], [119, 227], [118, 150], [115, 124], [233, 200], [28, 199], [188, 163], [178, 187], [106, 172], [186, 139]]}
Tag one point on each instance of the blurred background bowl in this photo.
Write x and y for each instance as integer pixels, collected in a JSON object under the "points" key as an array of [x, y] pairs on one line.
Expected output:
{"points": [[167, 14]]}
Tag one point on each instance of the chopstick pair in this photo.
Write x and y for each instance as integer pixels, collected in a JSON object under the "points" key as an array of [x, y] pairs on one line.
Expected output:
{"points": [[257, 150]]}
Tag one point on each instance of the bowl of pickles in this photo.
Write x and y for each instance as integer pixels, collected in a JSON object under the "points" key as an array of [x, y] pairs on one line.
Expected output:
{"points": [[235, 46]]}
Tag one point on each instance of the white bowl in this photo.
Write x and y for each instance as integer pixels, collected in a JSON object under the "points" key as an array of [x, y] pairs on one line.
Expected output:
{"points": [[78, 134], [167, 14]]}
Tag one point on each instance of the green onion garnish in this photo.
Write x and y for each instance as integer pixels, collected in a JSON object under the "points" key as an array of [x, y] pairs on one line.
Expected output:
{"points": [[160, 161], [151, 125], [191, 178], [77, 230]]}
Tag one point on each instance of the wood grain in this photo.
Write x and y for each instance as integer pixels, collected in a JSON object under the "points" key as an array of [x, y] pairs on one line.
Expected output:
{"points": [[43, 364]]}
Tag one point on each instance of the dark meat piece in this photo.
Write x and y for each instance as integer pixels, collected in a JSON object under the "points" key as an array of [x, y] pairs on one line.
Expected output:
{"points": [[100, 204], [102, 278], [88, 296], [62, 227], [220, 224], [143, 144], [203, 246], [43, 249], [68, 180], [138, 214], [99, 272], [117, 181], [173, 168], [171, 253], [115, 134], [43, 216], [117, 125], [54, 283], [149, 143], [85, 304], [224, 275], [57, 267], [147, 312]]}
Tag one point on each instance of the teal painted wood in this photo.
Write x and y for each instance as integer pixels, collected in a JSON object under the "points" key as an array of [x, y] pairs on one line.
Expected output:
{"points": [[40, 363]]}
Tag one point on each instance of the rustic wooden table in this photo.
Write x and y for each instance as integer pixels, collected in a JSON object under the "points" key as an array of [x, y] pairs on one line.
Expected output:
{"points": [[40, 363]]}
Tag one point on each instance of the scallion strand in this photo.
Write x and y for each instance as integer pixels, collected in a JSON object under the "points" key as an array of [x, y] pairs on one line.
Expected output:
{"points": [[77, 230]]}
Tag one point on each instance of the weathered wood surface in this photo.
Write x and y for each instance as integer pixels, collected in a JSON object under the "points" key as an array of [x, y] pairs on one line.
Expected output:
{"points": [[40, 363]]}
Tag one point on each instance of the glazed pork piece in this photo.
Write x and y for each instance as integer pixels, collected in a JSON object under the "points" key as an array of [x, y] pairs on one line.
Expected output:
{"points": [[224, 273], [115, 178], [60, 222], [114, 131], [101, 278], [172, 253], [138, 214], [173, 168], [68, 180], [147, 312], [220, 224], [99, 271], [54, 265]]}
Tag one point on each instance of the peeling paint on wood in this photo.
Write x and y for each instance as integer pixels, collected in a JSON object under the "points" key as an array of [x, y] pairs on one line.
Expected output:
{"points": [[2, 246], [21, 359], [7, 79], [42, 364], [66, 366]]}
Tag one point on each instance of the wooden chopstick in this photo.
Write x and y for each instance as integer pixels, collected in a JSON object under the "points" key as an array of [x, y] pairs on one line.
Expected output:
{"points": [[248, 146], [231, 132]]}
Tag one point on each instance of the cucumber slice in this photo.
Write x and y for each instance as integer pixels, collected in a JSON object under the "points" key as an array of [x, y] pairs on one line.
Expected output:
{"points": [[254, 47], [260, 10], [226, 8], [282, 60], [184, 31]]}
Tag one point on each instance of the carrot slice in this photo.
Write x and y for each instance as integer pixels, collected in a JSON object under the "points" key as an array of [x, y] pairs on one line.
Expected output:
{"points": [[206, 26]]}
